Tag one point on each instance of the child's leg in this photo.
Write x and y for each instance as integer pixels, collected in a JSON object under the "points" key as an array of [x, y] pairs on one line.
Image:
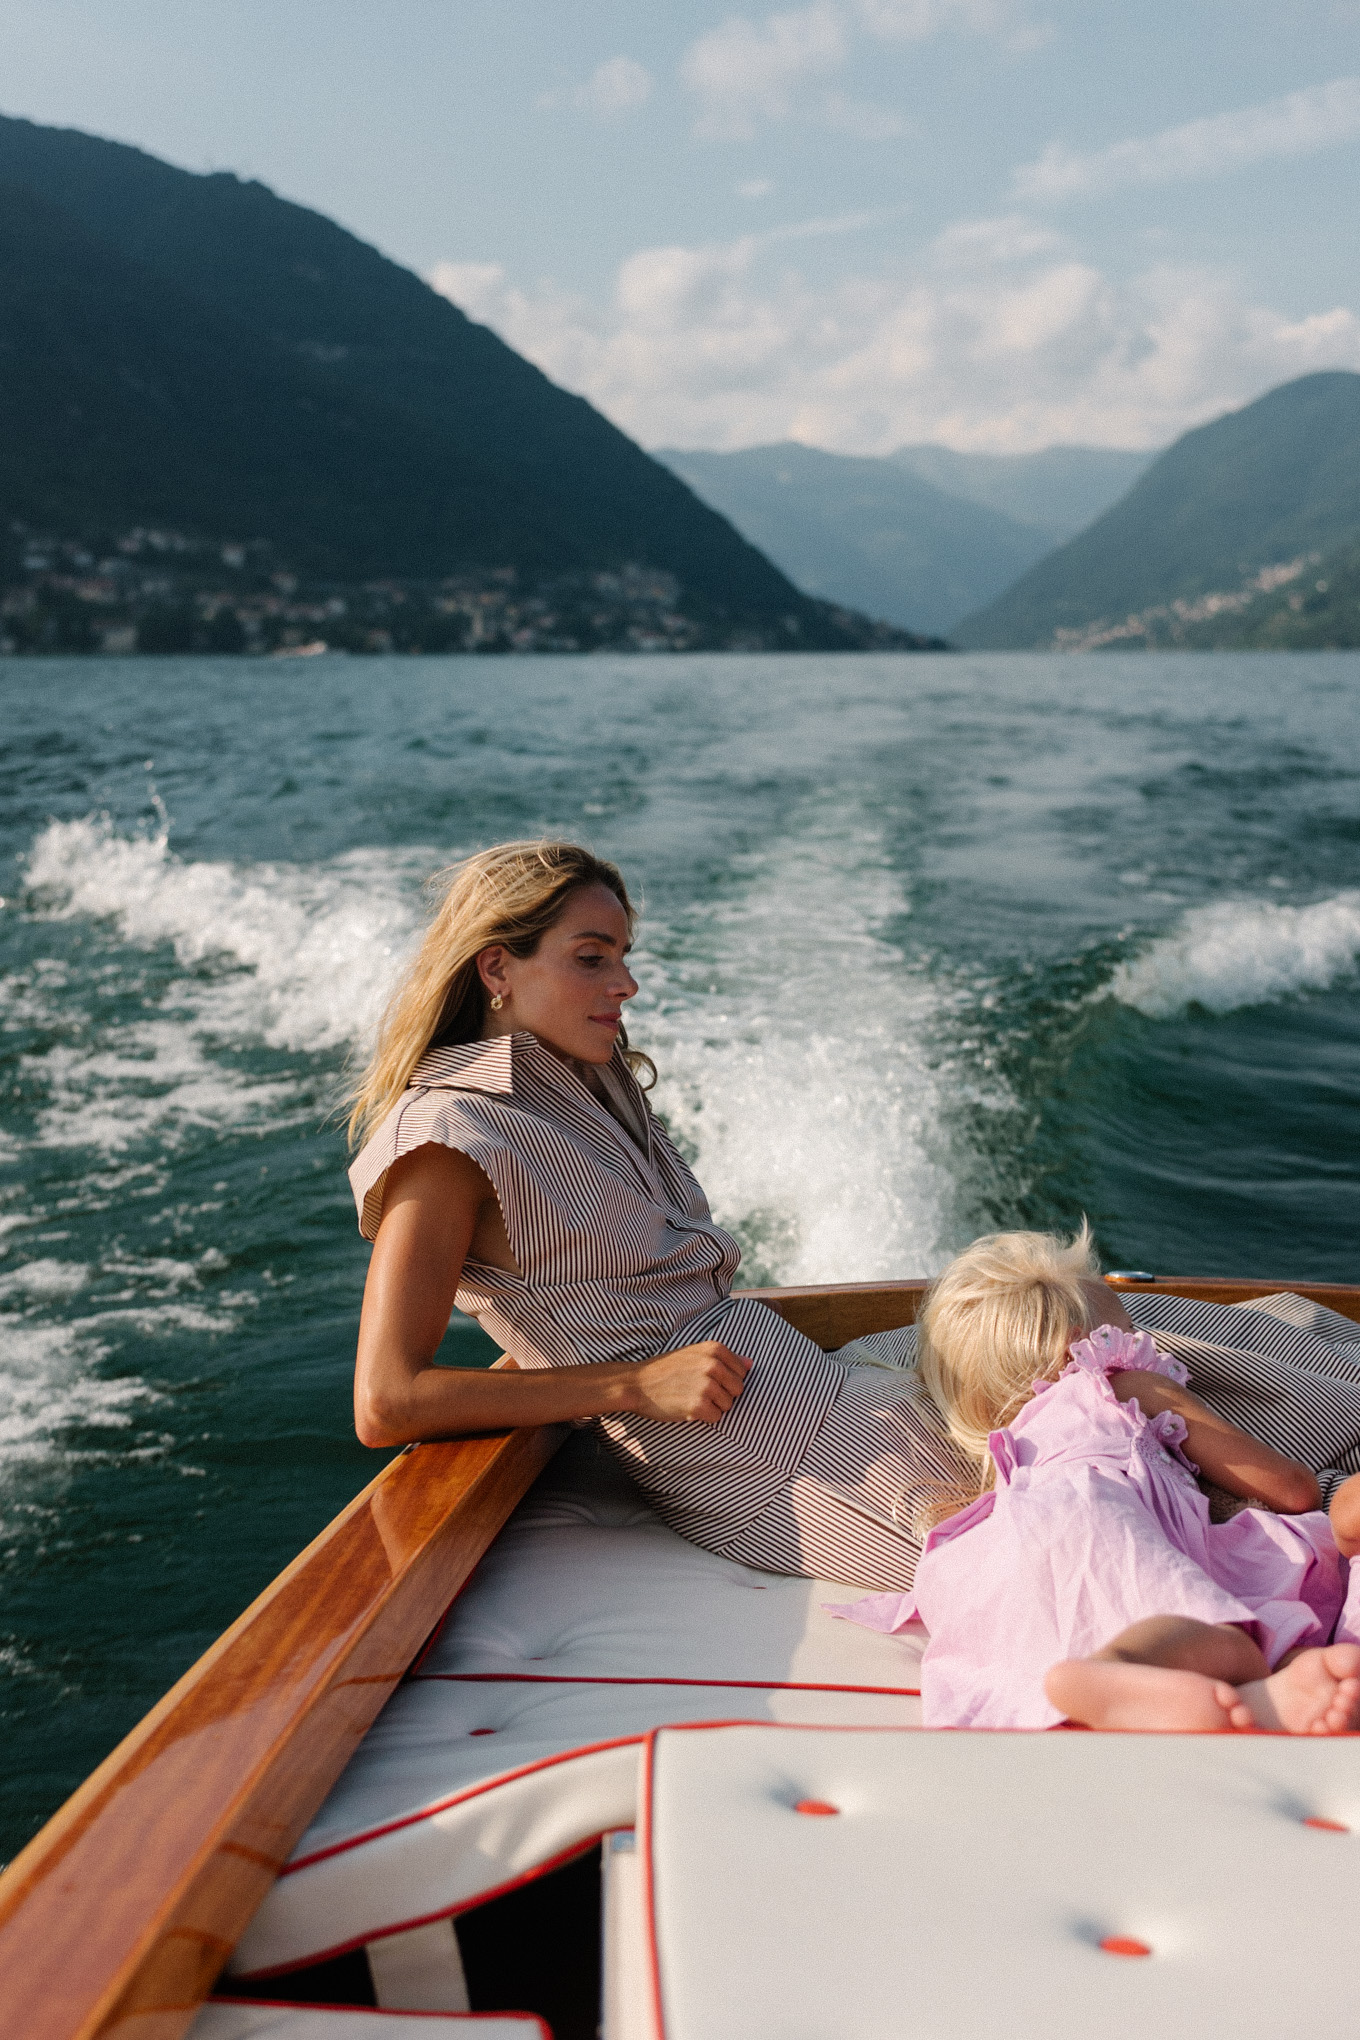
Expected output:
{"points": [[1172, 1673], [1345, 1516]]}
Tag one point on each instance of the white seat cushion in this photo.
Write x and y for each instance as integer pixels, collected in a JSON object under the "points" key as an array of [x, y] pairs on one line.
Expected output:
{"points": [[966, 1882], [587, 1625]]}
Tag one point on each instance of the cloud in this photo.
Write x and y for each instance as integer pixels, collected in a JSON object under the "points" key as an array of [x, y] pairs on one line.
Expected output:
{"points": [[1300, 124], [754, 187], [918, 20], [615, 87], [745, 72], [1003, 338]]}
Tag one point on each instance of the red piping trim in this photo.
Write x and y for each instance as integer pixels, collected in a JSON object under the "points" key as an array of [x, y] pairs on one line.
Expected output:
{"points": [[595, 1679], [376, 2011], [618, 1742], [578, 1848], [751, 1686]]}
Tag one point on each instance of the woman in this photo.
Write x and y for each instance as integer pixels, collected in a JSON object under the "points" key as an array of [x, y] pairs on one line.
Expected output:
{"points": [[512, 1167]]}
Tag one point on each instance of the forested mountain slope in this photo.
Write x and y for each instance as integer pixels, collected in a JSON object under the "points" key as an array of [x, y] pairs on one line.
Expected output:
{"points": [[1262, 488], [195, 352]]}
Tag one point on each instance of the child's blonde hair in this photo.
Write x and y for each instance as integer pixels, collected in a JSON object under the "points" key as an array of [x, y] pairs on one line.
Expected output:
{"points": [[1000, 1317]]}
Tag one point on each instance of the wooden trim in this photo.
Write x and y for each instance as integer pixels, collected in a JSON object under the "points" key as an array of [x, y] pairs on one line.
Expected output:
{"points": [[1342, 1297], [835, 1313], [118, 1916]]}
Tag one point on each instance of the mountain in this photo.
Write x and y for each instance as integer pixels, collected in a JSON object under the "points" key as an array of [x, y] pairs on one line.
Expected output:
{"points": [[1058, 490], [195, 354], [868, 533], [1308, 605], [1273, 484]]}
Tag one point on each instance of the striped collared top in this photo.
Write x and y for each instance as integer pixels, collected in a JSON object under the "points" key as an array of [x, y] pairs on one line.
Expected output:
{"points": [[618, 1258]]}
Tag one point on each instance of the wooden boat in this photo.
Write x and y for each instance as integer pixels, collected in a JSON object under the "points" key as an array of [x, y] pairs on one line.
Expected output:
{"points": [[119, 1917]]}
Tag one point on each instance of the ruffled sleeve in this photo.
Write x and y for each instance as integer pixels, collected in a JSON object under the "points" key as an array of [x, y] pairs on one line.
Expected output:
{"points": [[1108, 1350]]}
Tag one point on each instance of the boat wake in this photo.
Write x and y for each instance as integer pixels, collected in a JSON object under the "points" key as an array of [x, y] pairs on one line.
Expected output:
{"points": [[1242, 953], [803, 1062]]}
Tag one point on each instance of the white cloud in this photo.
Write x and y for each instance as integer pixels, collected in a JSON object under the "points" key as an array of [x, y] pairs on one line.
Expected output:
{"points": [[744, 72], [619, 86], [1004, 338], [1300, 124], [754, 187], [918, 20]]}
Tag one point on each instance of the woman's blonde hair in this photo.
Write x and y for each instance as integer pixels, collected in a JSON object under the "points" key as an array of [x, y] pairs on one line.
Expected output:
{"points": [[1000, 1318], [511, 895]]}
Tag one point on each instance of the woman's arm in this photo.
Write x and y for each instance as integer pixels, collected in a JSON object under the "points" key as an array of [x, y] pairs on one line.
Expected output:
{"points": [[1228, 1457], [435, 1197]]}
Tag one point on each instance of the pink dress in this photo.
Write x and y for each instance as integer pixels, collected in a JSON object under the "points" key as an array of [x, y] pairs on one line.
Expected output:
{"points": [[1095, 1522]]}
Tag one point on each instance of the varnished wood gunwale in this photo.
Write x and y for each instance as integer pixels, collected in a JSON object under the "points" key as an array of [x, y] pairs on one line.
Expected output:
{"points": [[835, 1313], [118, 1916]]}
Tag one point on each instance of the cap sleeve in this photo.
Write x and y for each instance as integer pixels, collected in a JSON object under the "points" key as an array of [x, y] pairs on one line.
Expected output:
{"points": [[419, 1118]]}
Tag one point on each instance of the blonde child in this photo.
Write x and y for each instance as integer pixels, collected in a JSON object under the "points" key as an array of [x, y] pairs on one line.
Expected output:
{"points": [[1081, 1579]]}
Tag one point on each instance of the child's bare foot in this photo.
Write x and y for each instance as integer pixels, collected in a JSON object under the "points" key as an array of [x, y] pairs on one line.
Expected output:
{"points": [[1108, 1693], [1316, 1693]]}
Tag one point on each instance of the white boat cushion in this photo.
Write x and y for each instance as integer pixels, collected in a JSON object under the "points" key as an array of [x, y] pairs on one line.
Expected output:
{"points": [[965, 1883], [242, 2019], [516, 1742]]}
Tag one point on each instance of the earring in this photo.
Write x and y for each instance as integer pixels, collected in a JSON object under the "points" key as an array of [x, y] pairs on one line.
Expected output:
{"points": [[498, 1002]]}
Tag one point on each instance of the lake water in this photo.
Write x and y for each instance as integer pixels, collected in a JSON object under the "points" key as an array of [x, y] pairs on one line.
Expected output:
{"points": [[932, 945]]}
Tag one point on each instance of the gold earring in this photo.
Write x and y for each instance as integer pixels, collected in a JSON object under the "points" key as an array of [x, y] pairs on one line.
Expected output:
{"points": [[498, 1002]]}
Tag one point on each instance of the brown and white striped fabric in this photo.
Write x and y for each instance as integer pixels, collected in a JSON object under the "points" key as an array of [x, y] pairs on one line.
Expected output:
{"points": [[826, 1462], [619, 1259]]}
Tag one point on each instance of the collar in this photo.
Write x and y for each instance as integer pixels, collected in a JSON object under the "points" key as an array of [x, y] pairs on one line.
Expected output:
{"points": [[490, 1065], [472, 1065]]}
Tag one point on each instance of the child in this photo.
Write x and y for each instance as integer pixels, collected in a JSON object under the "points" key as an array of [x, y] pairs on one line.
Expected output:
{"points": [[1082, 1579]]}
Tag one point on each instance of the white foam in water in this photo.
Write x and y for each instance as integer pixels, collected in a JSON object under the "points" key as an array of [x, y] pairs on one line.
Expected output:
{"points": [[316, 946], [793, 1043], [49, 1387], [1242, 953]]}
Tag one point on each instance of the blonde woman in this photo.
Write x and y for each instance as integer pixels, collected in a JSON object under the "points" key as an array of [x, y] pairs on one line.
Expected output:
{"points": [[1077, 1575], [511, 1166]]}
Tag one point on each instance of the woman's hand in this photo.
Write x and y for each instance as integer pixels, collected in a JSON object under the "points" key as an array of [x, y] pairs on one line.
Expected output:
{"points": [[695, 1385]]}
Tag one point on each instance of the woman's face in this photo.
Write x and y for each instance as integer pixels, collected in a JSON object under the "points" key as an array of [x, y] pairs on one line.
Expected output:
{"points": [[571, 991]]}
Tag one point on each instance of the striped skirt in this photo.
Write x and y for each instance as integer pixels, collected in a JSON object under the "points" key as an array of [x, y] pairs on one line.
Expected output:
{"points": [[1282, 1368]]}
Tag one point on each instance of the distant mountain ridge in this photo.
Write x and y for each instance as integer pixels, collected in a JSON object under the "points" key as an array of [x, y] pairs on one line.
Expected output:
{"points": [[1274, 485], [869, 533], [923, 536], [1059, 490], [195, 353]]}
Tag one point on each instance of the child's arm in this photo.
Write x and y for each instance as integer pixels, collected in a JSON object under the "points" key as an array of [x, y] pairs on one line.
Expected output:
{"points": [[1228, 1457]]}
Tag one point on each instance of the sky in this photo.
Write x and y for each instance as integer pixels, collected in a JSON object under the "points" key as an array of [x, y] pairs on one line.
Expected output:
{"points": [[992, 224]]}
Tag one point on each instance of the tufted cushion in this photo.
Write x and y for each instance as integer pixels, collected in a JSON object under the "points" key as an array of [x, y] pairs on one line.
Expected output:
{"points": [[962, 1884], [517, 1739]]}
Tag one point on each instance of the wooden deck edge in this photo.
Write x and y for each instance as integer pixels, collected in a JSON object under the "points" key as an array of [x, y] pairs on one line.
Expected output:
{"points": [[835, 1313], [118, 1916]]}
